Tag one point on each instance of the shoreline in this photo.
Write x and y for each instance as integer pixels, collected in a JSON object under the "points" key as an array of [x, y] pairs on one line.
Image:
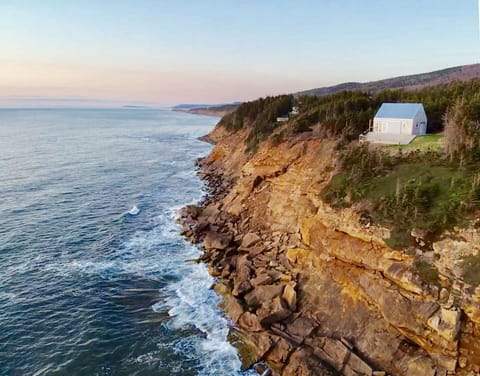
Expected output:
{"points": [[258, 283], [205, 112]]}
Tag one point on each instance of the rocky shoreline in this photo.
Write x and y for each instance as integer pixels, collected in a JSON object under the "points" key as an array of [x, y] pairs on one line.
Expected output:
{"points": [[315, 290], [259, 282]]}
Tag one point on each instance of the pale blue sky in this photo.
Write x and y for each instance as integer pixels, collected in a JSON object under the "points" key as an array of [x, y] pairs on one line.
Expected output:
{"points": [[218, 51]]}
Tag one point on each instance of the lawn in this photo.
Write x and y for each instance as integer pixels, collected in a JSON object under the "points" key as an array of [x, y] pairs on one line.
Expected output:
{"points": [[432, 142]]}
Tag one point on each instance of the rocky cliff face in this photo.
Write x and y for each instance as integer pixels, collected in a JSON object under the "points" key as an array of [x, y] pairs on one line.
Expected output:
{"points": [[316, 291]]}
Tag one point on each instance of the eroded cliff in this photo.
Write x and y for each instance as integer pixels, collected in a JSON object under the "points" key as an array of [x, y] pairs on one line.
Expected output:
{"points": [[315, 290]]}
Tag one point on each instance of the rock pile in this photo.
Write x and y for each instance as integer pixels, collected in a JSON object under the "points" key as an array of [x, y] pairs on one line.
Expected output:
{"points": [[260, 288]]}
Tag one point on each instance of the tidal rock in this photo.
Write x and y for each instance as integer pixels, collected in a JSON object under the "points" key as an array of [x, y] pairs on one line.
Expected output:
{"points": [[192, 211], [241, 281], [250, 322], [233, 307]]}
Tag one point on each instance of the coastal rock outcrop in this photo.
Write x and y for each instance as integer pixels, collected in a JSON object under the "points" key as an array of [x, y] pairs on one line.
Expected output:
{"points": [[315, 290]]}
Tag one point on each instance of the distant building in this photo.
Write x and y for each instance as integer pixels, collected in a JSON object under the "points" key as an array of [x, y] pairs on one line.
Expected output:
{"points": [[397, 123], [282, 119], [295, 111]]}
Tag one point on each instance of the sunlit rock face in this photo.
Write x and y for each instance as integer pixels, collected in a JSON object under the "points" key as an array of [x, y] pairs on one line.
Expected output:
{"points": [[316, 291]]}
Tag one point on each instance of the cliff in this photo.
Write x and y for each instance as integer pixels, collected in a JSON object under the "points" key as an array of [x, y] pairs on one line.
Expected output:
{"points": [[314, 290]]}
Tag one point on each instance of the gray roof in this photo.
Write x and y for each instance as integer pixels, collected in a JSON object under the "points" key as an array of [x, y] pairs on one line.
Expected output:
{"points": [[399, 110]]}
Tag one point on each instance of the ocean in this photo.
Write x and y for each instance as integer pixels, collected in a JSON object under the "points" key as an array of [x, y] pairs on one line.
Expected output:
{"points": [[94, 277]]}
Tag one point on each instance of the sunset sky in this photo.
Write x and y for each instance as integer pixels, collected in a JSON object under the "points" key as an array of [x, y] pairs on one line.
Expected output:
{"points": [[168, 52]]}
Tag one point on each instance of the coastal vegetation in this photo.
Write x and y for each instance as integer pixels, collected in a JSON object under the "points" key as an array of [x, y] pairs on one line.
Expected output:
{"points": [[430, 185], [346, 115], [419, 190], [259, 117]]}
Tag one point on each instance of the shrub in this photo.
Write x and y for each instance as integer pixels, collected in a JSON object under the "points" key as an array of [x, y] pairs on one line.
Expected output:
{"points": [[471, 269], [427, 272]]}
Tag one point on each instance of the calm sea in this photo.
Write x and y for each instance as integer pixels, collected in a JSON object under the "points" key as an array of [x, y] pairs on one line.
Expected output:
{"points": [[93, 277]]}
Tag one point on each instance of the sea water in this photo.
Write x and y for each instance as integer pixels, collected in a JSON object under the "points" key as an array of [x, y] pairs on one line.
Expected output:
{"points": [[93, 272]]}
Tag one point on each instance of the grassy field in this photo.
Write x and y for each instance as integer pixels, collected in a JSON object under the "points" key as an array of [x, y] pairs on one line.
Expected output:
{"points": [[432, 142]]}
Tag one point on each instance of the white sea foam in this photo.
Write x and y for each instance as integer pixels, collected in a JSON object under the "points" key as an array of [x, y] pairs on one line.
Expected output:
{"points": [[193, 304], [134, 210]]}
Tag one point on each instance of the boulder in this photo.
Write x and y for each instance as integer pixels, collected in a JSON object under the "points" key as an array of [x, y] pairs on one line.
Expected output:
{"points": [[263, 293], [215, 240], [446, 322], [261, 279], [290, 296], [241, 281], [255, 251], [241, 288], [249, 240], [233, 307], [273, 311], [331, 351], [192, 211], [302, 327], [250, 322], [302, 363], [356, 366]]}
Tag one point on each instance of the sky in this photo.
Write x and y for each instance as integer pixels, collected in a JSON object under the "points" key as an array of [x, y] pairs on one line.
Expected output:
{"points": [[206, 51]]}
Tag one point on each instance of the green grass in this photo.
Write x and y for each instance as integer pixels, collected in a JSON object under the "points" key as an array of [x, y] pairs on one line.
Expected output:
{"points": [[446, 177], [429, 142], [417, 190], [420, 195]]}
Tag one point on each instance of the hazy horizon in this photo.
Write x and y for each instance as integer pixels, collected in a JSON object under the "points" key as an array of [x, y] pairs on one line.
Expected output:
{"points": [[161, 53]]}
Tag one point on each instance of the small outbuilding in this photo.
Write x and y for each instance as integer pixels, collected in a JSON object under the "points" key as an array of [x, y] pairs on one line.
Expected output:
{"points": [[398, 123]]}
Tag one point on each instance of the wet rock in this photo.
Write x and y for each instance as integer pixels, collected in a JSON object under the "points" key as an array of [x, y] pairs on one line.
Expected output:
{"points": [[192, 211], [250, 322], [241, 281]]}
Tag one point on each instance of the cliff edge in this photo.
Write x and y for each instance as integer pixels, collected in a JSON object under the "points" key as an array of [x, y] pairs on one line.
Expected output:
{"points": [[315, 290]]}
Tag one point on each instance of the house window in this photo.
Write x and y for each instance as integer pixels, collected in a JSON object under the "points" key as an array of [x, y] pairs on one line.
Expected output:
{"points": [[416, 125]]}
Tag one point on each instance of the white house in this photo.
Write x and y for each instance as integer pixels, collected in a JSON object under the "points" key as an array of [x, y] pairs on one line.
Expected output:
{"points": [[295, 111], [398, 123]]}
